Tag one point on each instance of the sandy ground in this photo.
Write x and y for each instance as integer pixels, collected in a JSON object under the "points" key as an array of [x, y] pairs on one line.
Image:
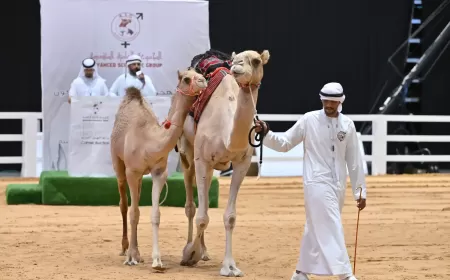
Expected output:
{"points": [[404, 235]]}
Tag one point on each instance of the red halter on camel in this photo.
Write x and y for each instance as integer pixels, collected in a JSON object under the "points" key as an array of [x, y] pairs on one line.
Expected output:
{"points": [[167, 123]]}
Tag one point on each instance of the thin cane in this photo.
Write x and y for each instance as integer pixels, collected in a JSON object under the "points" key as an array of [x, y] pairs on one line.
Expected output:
{"points": [[356, 241]]}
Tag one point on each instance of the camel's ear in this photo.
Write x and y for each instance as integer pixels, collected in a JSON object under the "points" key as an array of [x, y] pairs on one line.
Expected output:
{"points": [[179, 75], [265, 55], [233, 55]]}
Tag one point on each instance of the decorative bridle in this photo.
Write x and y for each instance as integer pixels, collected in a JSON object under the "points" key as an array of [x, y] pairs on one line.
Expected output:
{"points": [[191, 93], [249, 87]]}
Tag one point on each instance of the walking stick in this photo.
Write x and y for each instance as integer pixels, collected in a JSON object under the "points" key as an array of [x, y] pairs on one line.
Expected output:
{"points": [[357, 225]]}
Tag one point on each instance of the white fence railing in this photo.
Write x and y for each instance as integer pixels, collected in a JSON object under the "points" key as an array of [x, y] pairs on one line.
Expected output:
{"points": [[29, 137], [379, 138]]}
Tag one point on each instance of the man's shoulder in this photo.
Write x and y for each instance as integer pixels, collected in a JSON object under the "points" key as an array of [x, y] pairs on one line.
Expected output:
{"points": [[311, 114], [121, 76], [346, 122], [77, 80], [346, 118], [101, 80]]}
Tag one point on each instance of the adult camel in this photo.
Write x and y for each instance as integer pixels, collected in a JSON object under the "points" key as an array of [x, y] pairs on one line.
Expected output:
{"points": [[219, 138]]}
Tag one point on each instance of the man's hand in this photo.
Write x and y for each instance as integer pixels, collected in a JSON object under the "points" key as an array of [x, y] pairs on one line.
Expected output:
{"points": [[361, 203], [260, 125], [140, 76]]}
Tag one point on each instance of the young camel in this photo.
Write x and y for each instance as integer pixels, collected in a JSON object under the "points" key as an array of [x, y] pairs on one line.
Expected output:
{"points": [[139, 145], [221, 137]]}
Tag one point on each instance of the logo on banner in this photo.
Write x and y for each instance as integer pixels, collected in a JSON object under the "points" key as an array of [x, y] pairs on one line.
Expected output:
{"points": [[96, 107], [126, 27]]}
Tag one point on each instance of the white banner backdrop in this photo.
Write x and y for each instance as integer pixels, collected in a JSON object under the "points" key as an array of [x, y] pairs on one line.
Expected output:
{"points": [[91, 123], [166, 34]]}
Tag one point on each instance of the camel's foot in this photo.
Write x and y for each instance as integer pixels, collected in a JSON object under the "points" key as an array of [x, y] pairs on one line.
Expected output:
{"points": [[192, 254], [205, 256], [229, 269], [123, 253], [133, 257], [157, 265]]}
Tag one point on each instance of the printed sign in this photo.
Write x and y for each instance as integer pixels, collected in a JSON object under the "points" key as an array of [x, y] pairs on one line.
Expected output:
{"points": [[165, 34]]}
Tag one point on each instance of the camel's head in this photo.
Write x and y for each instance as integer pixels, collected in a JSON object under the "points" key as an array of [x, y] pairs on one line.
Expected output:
{"points": [[191, 83], [247, 67]]}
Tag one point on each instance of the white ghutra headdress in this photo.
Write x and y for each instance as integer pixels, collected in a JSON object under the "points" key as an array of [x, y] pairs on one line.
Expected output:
{"points": [[333, 92]]}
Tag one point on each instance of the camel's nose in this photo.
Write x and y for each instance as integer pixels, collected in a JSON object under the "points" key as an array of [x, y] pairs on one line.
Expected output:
{"points": [[237, 69]]}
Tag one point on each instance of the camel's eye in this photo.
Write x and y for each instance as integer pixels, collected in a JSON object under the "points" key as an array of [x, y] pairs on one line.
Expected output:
{"points": [[187, 80]]}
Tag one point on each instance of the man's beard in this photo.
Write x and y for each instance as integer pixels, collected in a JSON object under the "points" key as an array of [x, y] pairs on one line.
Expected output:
{"points": [[133, 72], [89, 76], [330, 112]]}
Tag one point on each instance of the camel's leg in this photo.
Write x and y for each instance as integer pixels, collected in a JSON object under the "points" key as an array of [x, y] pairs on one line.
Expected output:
{"points": [[119, 168], [205, 255], [159, 177], [140, 188], [133, 179], [187, 161], [192, 252], [240, 169], [139, 199]]}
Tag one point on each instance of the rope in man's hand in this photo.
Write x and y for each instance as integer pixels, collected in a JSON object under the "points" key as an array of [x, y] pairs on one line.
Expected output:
{"points": [[259, 139], [357, 226]]}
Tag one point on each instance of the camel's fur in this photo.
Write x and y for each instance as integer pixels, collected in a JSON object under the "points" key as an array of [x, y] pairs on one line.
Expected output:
{"points": [[221, 138], [140, 145]]}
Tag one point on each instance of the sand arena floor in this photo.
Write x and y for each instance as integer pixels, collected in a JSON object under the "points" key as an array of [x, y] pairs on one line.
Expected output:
{"points": [[404, 235]]}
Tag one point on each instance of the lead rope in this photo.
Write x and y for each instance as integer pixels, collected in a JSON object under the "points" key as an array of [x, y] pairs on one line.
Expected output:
{"points": [[165, 196], [259, 136]]}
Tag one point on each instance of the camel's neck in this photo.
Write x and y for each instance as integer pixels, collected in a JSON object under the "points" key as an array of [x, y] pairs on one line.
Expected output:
{"points": [[243, 120], [177, 115]]}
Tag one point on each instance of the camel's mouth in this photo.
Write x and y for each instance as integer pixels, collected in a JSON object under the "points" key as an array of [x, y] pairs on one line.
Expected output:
{"points": [[237, 70], [202, 84], [237, 74]]}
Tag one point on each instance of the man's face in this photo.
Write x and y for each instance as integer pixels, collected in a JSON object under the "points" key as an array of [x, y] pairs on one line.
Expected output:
{"points": [[134, 68], [89, 73], [330, 107]]}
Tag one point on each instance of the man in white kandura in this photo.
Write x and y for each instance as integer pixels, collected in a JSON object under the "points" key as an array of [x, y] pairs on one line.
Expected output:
{"points": [[88, 82], [133, 77], [330, 145]]}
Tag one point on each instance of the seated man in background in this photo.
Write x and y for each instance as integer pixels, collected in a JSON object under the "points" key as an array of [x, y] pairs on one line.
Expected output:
{"points": [[88, 82], [133, 77]]}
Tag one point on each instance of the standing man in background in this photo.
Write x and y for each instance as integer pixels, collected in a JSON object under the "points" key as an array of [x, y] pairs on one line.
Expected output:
{"points": [[133, 77], [88, 82], [330, 147]]}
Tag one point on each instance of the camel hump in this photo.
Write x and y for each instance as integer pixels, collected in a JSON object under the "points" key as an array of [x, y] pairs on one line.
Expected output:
{"points": [[133, 93]]}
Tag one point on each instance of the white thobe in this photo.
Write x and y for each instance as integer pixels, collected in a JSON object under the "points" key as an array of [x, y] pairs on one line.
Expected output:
{"points": [[330, 145], [125, 81], [82, 86]]}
